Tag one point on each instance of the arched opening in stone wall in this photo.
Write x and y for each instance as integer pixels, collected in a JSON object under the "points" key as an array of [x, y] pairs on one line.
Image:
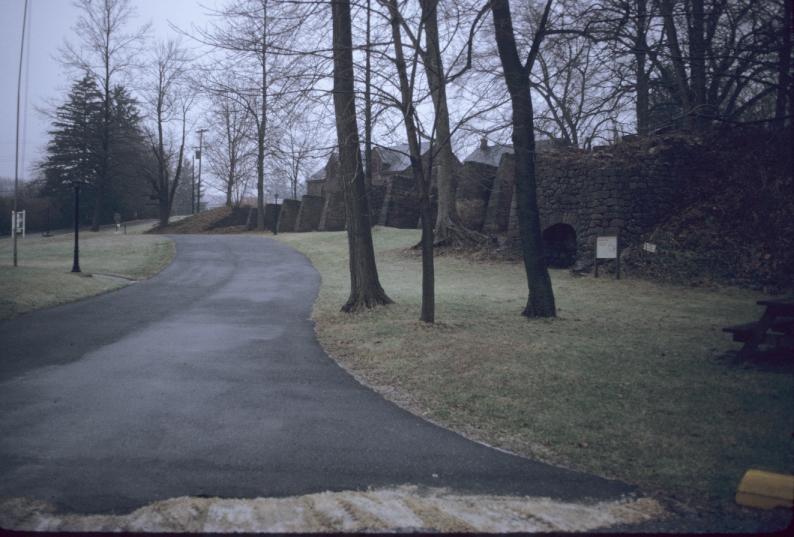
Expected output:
{"points": [[559, 244]]}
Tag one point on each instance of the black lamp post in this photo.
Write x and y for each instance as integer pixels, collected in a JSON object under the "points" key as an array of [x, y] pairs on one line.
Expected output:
{"points": [[275, 216], [76, 259]]}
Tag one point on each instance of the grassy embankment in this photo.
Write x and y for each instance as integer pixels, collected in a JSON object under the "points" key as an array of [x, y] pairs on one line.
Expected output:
{"points": [[627, 382], [107, 260]]}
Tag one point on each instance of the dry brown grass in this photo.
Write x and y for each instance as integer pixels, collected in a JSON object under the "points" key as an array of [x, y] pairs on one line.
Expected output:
{"points": [[108, 261], [630, 381]]}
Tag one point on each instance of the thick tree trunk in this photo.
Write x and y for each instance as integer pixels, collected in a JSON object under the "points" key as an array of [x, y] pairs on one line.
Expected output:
{"points": [[448, 228], [697, 65], [368, 107], [784, 67], [643, 86], [365, 288], [97, 216], [164, 211], [677, 58], [541, 296]]}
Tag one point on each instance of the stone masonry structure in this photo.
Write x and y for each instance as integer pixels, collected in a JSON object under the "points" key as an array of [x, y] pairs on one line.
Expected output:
{"points": [[624, 189], [288, 216], [309, 214]]}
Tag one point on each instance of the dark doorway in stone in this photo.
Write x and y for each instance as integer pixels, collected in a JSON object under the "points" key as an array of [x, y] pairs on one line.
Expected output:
{"points": [[559, 243]]}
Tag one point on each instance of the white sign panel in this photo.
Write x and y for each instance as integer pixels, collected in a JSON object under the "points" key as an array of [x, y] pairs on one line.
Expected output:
{"points": [[18, 223], [649, 247], [606, 247]]}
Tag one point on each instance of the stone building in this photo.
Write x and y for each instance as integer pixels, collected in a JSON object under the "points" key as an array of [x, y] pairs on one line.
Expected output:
{"points": [[394, 200], [623, 190]]}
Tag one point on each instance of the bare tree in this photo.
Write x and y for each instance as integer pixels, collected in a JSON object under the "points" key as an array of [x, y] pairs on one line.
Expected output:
{"points": [[585, 96], [421, 176], [365, 288], [258, 44], [295, 151], [230, 152], [107, 51], [516, 74], [170, 99]]}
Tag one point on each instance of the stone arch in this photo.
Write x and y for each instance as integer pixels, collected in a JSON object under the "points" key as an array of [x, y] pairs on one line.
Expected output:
{"points": [[559, 245]]}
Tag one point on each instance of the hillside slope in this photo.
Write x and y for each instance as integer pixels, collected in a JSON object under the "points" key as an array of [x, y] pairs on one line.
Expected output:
{"points": [[220, 220], [736, 225]]}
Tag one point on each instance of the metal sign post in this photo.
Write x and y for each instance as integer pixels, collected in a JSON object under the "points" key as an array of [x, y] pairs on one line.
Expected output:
{"points": [[607, 248]]}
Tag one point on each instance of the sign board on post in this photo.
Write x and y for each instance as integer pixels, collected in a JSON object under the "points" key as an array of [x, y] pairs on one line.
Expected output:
{"points": [[18, 223], [607, 248]]}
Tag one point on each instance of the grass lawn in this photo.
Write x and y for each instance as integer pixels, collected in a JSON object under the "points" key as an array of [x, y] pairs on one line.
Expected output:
{"points": [[628, 382], [108, 261]]}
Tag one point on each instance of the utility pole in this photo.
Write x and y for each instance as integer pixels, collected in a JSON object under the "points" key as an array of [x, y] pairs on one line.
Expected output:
{"points": [[193, 184], [201, 143], [16, 152]]}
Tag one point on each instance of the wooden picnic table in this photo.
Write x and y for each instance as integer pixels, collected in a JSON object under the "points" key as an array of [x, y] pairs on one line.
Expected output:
{"points": [[775, 329]]}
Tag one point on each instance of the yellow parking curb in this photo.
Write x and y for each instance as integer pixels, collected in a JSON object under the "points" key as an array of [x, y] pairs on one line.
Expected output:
{"points": [[765, 490]]}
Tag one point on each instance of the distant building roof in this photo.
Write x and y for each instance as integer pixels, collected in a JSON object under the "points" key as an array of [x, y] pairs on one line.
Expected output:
{"points": [[492, 154], [319, 175], [397, 158]]}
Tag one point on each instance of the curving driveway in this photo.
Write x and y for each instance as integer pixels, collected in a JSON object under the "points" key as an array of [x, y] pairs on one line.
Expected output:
{"points": [[208, 380]]}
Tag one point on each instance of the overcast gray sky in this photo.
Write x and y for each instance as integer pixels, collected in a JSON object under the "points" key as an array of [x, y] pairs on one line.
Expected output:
{"points": [[50, 22]]}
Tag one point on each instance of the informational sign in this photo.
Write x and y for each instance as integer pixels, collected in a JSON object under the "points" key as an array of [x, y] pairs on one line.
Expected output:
{"points": [[649, 247], [18, 223], [606, 248]]}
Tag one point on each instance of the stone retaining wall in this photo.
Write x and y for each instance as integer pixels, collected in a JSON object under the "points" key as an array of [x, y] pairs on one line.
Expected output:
{"points": [[288, 216], [272, 211], [623, 190], [311, 210], [333, 215], [400, 203]]}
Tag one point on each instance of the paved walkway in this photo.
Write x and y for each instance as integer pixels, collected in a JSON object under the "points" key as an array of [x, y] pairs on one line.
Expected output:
{"points": [[208, 380]]}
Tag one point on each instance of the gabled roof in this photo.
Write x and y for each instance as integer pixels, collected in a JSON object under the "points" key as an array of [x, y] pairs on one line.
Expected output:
{"points": [[319, 175], [492, 154], [397, 158]]}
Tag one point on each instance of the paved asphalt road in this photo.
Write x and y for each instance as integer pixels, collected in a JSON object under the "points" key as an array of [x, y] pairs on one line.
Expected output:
{"points": [[207, 380]]}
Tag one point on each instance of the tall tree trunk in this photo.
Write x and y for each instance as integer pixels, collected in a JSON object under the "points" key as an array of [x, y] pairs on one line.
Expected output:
{"points": [[368, 107], [421, 178], [697, 65], [784, 67], [541, 296], [260, 140], [449, 229], [677, 57], [162, 165], [103, 179], [98, 199], [643, 86], [260, 177], [365, 288]]}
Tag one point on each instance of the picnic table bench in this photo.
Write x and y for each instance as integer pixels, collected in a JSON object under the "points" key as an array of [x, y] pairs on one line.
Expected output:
{"points": [[775, 329]]}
